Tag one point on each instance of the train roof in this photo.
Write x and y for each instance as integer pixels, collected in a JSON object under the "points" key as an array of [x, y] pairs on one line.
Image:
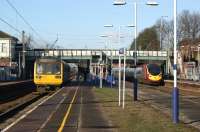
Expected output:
{"points": [[72, 65], [48, 60]]}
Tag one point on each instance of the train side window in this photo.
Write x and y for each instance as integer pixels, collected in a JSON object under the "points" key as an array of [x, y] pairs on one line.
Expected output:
{"points": [[39, 68], [139, 73], [57, 69]]}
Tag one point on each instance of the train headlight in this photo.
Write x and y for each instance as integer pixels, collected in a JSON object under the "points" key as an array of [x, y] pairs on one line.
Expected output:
{"points": [[58, 77], [38, 77]]}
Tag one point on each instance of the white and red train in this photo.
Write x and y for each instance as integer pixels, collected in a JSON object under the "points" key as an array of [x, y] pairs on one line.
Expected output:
{"points": [[146, 73]]}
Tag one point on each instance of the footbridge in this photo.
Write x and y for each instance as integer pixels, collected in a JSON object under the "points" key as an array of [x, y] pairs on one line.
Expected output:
{"points": [[87, 54], [87, 58]]}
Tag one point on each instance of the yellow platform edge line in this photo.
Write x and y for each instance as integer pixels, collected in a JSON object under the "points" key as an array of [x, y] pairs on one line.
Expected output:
{"points": [[67, 113]]}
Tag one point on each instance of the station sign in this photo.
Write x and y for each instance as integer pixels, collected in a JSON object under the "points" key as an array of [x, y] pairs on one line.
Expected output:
{"points": [[121, 51]]}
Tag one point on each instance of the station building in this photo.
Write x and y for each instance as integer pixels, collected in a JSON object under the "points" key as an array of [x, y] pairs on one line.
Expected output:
{"points": [[8, 63], [189, 52]]}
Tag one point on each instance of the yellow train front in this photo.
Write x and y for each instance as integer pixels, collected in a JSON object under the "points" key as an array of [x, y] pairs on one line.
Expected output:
{"points": [[51, 73]]}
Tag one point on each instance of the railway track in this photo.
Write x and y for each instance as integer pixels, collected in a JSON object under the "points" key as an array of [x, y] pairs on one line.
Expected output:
{"points": [[14, 97], [160, 98], [184, 89], [13, 91]]}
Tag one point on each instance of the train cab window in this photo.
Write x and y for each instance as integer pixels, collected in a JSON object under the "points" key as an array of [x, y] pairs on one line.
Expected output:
{"points": [[56, 69], [48, 68], [139, 72], [154, 69]]}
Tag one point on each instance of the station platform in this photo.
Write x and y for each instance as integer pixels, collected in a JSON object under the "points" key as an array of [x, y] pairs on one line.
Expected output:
{"points": [[13, 82], [71, 109], [88, 108]]}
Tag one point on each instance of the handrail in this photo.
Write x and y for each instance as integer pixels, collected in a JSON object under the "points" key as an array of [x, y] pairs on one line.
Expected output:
{"points": [[87, 52]]}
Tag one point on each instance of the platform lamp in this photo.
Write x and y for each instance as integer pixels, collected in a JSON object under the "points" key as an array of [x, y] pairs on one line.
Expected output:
{"points": [[149, 3], [122, 51], [110, 26]]}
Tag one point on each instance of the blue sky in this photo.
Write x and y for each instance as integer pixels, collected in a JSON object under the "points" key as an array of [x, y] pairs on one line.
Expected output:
{"points": [[79, 23]]}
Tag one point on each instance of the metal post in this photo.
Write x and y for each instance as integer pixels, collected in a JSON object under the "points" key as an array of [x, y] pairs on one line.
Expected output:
{"points": [[10, 58], [100, 71], [19, 65], [10, 54], [175, 89], [135, 85], [198, 63], [95, 74], [106, 60], [135, 5], [90, 71], [106, 67], [119, 78], [124, 77], [111, 64], [23, 56], [101, 76]]}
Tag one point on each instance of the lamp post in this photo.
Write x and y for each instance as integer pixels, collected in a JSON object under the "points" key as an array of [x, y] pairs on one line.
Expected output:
{"points": [[101, 72], [20, 55], [121, 51], [150, 3], [175, 89], [107, 36], [23, 57], [135, 82], [106, 61], [124, 77], [198, 62], [119, 77], [19, 66], [110, 26]]}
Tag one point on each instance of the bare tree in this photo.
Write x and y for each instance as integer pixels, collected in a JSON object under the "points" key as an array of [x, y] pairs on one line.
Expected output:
{"points": [[184, 25], [167, 33], [195, 25], [188, 29], [189, 25]]}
